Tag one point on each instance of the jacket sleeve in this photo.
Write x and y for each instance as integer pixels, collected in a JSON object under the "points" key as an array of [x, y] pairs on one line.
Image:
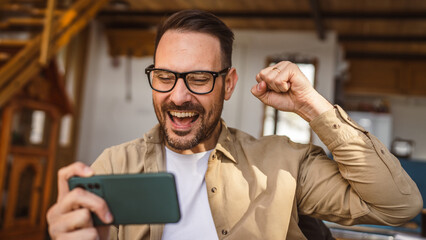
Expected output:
{"points": [[364, 183]]}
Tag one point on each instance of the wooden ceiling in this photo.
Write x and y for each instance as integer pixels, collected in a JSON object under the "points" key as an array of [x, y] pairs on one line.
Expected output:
{"points": [[365, 28]]}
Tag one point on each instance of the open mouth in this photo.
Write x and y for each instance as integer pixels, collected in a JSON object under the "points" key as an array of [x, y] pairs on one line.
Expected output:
{"points": [[183, 119]]}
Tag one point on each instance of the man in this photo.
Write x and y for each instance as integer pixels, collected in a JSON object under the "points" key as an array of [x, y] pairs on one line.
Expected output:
{"points": [[231, 185]]}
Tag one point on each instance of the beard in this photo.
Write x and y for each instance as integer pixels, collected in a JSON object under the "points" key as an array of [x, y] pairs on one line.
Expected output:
{"points": [[207, 122]]}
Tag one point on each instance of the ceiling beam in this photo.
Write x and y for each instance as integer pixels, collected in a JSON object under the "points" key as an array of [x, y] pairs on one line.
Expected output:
{"points": [[265, 15], [384, 55], [280, 15], [376, 15], [381, 38], [316, 13]]}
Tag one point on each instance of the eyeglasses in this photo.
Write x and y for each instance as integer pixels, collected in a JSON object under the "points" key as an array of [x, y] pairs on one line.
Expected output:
{"points": [[198, 82]]}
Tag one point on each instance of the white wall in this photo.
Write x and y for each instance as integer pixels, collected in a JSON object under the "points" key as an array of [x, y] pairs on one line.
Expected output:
{"points": [[108, 119]]}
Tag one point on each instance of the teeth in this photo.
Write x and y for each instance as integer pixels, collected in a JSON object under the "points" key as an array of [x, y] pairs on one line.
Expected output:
{"points": [[182, 114]]}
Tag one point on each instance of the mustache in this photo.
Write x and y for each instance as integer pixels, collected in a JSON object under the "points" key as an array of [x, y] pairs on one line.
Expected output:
{"points": [[187, 106]]}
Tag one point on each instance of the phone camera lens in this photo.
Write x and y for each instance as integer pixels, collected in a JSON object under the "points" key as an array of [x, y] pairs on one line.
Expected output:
{"points": [[90, 186], [96, 186]]}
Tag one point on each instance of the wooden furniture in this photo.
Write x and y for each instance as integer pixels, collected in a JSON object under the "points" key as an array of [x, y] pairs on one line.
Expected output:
{"points": [[29, 133]]}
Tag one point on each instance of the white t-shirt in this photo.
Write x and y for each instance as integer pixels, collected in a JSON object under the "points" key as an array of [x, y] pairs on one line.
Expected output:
{"points": [[196, 219]]}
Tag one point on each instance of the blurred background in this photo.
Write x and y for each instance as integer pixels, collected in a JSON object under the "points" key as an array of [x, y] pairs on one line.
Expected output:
{"points": [[72, 81]]}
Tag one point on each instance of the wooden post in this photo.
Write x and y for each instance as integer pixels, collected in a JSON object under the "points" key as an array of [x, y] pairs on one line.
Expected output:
{"points": [[47, 32]]}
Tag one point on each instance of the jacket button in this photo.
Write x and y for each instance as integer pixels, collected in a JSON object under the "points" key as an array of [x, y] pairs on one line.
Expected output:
{"points": [[224, 232], [214, 189]]}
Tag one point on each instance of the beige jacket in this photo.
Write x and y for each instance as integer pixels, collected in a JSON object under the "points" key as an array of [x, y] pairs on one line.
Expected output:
{"points": [[257, 187]]}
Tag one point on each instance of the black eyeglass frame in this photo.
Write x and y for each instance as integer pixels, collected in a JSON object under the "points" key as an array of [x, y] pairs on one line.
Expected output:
{"points": [[182, 75]]}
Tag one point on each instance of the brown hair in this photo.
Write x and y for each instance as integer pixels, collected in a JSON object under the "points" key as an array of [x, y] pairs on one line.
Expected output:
{"points": [[202, 22]]}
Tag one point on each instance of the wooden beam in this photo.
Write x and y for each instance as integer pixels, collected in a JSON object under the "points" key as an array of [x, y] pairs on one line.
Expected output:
{"points": [[381, 38], [316, 13], [326, 15], [13, 42], [26, 21], [14, 10], [384, 55], [220, 14], [47, 32]]}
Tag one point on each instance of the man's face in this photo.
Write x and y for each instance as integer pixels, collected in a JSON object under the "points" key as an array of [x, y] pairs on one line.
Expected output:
{"points": [[189, 121]]}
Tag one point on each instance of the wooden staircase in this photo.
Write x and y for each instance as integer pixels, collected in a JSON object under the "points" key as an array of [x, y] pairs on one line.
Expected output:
{"points": [[48, 25], [31, 34]]}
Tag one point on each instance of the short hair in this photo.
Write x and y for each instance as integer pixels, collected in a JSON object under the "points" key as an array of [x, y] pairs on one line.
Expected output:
{"points": [[202, 22]]}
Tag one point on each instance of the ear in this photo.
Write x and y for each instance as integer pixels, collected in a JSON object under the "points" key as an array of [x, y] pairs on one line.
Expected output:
{"points": [[230, 83]]}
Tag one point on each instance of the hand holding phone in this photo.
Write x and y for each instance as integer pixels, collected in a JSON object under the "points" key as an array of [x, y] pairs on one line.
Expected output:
{"points": [[134, 198], [69, 217]]}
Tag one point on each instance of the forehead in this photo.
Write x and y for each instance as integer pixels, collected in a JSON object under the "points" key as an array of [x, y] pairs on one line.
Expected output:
{"points": [[188, 50]]}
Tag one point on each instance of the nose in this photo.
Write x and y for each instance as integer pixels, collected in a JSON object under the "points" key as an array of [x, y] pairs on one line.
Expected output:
{"points": [[180, 93]]}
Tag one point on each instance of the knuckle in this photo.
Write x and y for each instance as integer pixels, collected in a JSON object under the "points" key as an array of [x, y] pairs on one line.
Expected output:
{"points": [[50, 213], [62, 172], [263, 73]]}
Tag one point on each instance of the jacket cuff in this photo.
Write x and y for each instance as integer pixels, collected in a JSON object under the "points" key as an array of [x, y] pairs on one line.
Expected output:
{"points": [[335, 127]]}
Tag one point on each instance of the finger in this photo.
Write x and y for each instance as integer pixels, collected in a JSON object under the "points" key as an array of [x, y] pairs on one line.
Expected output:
{"points": [[268, 76], [80, 198], [71, 221], [75, 169], [259, 90], [85, 233], [258, 78], [282, 82]]}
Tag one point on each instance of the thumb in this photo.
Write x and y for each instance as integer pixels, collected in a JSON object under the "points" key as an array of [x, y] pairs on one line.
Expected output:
{"points": [[259, 90]]}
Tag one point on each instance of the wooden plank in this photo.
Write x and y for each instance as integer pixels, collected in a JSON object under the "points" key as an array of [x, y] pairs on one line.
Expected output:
{"points": [[34, 151], [47, 32], [5, 138], [22, 10], [13, 42], [28, 21]]}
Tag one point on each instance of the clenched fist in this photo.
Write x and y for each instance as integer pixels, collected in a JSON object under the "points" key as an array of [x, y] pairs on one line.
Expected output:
{"points": [[284, 87]]}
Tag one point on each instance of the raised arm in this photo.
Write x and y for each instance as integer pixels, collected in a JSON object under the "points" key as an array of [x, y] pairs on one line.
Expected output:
{"points": [[365, 183]]}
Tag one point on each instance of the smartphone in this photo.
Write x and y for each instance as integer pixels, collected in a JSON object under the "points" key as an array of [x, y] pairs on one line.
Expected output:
{"points": [[146, 198]]}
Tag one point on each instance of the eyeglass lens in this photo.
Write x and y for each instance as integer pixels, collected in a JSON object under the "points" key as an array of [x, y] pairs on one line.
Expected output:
{"points": [[200, 82]]}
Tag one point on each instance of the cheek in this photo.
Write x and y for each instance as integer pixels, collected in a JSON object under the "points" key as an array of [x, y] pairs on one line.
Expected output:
{"points": [[156, 102]]}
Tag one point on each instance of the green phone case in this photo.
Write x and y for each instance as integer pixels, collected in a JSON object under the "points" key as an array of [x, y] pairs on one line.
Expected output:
{"points": [[134, 198]]}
